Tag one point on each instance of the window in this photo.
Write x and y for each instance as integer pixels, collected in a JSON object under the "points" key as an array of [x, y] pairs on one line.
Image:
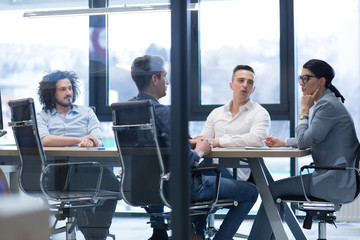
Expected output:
{"points": [[332, 35], [131, 36], [239, 32], [32, 48]]}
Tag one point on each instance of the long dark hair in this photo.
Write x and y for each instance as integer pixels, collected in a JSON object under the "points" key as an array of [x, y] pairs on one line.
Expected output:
{"points": [[321, 69], [47, 87]]}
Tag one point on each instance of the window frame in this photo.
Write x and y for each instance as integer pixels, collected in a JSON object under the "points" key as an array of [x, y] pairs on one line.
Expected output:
{"points": [[285, 110], [98, 94]]}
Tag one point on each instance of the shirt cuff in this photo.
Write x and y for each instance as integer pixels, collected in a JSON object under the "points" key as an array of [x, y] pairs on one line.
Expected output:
{"points": [[201, 154], [101, 144], [224, 142], [303, 121]]}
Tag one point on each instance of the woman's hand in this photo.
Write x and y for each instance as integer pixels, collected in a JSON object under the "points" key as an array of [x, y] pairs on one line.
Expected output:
{"points": [[272, 141], [307, 101]]}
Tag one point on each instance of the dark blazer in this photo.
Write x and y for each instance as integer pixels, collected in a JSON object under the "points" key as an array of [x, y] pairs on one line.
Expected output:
{"points": [[332, 137], [163, 124]]}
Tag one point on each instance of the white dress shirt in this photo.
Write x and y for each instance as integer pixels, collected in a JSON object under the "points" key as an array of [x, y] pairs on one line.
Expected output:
{"points": [[247, 128]]}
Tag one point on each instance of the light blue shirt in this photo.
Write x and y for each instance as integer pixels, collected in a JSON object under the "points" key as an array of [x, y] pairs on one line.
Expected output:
{"points": [[78, 122]]}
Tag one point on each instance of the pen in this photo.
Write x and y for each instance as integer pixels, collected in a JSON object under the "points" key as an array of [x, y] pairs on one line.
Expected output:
{"points": [[95, 148]]}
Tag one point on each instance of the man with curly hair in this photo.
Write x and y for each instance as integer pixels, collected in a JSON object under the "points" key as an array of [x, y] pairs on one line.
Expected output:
{"points": [[63, 123]]}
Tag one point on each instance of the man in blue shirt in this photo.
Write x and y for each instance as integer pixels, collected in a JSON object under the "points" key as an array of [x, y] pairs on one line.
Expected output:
{"points": [[62, 123], [149, 76]]}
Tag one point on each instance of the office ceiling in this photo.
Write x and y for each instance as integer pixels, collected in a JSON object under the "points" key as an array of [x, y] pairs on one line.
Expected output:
{"points": [[6, 5]]}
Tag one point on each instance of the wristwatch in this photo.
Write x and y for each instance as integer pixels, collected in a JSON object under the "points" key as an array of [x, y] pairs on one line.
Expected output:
{"points": [[303, 116]]}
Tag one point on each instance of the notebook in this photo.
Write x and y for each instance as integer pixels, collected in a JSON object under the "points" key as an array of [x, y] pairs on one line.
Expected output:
{"points": [[2, 131]]}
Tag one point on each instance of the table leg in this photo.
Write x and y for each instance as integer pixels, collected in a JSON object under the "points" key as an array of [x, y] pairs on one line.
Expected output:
{"points": [[262, 178], [262, 219], [293, 224], [267, 201]]}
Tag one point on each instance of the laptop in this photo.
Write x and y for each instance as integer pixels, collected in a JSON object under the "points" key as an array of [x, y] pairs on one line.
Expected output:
{"points": [[2, 131]]}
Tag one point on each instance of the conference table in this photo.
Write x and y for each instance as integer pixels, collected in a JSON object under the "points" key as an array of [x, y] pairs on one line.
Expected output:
{"points": [[234, 157], [220, 157], [106, 156]]}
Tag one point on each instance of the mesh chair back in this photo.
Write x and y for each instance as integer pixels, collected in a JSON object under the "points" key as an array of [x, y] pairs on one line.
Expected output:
{"points": [[141, 159], [27, 139]]}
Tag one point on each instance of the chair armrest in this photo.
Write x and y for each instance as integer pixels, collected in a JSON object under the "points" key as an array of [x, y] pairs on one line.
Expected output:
{"points": [[217, 182], [312, 166], [68, 177], [323, 167]]}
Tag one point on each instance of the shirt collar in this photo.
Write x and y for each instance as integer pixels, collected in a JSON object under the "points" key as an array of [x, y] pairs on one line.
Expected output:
{"points": [[249, 105], [75, 109], [326, 92], [146, 96]]}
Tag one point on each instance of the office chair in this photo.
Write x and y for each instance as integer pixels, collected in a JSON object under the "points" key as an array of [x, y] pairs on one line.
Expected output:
{"points": [[52, 181], [319, 209], [144, 173], [211, 229]]}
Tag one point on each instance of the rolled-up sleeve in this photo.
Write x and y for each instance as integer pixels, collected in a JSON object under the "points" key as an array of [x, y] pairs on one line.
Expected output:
{"points": [[94, 126], [42, 124], [209, 129]]}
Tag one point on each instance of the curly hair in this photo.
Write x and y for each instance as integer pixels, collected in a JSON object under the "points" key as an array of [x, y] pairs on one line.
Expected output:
{"points": [[47, 87]]}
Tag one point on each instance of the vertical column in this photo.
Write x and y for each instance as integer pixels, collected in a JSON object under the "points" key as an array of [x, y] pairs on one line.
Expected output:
{"points": [[287, 65], [179, 192], [98, 58]]}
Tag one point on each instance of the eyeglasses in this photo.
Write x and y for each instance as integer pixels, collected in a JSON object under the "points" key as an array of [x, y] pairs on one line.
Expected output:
{"points": [[305, 78], [166, 80]]}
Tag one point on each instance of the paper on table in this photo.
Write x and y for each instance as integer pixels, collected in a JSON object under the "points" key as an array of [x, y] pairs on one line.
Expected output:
{"points": [[271, 148]]}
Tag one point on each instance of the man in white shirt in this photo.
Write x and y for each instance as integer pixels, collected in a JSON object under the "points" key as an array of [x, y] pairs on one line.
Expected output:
{"points": [[241, 122]]}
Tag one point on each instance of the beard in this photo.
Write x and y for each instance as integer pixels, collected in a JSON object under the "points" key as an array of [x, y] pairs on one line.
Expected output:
{"points": [[63, 103]]}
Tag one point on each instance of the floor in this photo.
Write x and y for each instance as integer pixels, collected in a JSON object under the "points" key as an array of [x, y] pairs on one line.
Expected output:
{"points": [[135, 228]]}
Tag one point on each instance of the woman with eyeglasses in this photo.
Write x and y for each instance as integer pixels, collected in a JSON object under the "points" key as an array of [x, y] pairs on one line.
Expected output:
{"points": [[330, 133]]}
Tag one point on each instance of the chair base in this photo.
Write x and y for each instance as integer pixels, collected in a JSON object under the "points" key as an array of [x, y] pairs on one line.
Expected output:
{"points": [[322, 230], [322, 212], [70, 228]]}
